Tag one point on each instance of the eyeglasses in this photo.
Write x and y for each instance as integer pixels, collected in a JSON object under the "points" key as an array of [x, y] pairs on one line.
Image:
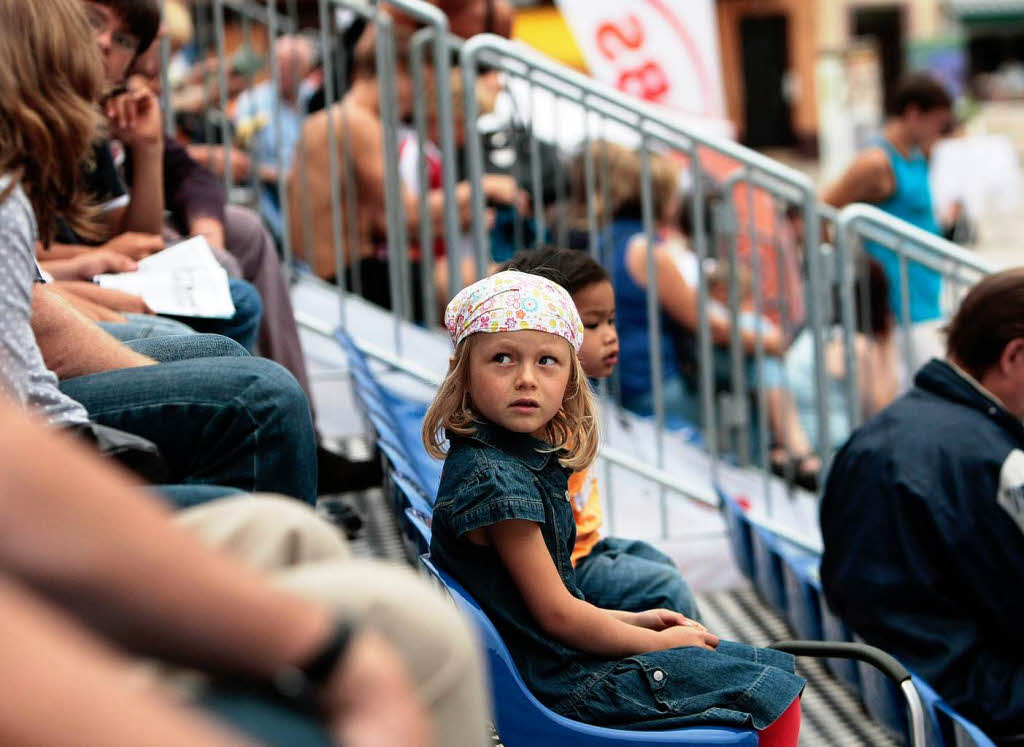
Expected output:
{"points": [[102, 22]]}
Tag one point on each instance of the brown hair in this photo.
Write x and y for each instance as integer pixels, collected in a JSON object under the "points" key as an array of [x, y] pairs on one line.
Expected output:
{"points": [[920, 90], [617, 188], [50, 80], [574, 427], [990, 317]]}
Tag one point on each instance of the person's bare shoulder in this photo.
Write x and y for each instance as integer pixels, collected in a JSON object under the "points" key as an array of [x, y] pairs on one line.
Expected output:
{"points": [[868, 179]]}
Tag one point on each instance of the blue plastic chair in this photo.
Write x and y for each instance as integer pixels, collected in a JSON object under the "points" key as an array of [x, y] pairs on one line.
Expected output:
{"points": [[523, 721], [951, 729], [419, 529], [739, 533], [803, 594]]}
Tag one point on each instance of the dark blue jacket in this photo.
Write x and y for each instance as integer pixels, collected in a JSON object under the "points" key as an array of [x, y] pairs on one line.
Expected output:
{"points": [[923, 523]]}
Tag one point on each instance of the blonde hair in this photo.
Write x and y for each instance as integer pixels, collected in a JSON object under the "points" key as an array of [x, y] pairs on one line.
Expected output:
{"points": [[573, 429], [618, 176], [51, 78]]}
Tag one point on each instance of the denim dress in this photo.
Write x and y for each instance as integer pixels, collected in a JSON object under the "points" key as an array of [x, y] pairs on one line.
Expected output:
{"points": [[497, 475]]}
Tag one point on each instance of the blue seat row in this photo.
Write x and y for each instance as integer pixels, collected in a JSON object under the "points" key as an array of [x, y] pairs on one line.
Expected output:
{"points": [[787, 578]]}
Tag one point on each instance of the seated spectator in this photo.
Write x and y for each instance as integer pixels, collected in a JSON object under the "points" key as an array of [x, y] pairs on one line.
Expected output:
{"points": [[358, 130], [257, 130], [923, 517], [227, 420], [678, 273], [613, 573], [876, 352], [384, 658], [132, 224]]}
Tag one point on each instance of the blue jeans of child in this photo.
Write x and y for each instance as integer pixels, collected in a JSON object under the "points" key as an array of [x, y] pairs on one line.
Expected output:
{"points": [[630, 575], [219, 416], [140, 326]]}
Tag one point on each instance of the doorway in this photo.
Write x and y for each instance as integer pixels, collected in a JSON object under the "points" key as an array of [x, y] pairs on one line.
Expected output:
{"points": [[768, 119], [885, 26]]}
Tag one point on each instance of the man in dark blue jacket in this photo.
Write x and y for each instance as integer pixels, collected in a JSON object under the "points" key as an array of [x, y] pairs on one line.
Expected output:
{"points": [[923, 517]]}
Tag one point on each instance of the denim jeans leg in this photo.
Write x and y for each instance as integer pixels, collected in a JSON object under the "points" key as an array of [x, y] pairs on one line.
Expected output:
{"points": [[187, 347], [139, 326], [244, 325], [633, 576], [239, 422]]}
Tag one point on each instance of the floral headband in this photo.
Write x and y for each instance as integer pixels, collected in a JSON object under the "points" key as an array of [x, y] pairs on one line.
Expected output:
{"points": [[511, 301]]}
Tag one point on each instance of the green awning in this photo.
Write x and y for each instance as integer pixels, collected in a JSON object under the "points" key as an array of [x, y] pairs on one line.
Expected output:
{"points": [[987, 11]]}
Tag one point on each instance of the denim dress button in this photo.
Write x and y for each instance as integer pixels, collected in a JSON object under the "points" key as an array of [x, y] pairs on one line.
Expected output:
{"points": [[658, 675]]}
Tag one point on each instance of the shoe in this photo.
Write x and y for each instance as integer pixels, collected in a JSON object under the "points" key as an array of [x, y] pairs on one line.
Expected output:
{"points": [[345, 517], [796, 469], [339, 474]]}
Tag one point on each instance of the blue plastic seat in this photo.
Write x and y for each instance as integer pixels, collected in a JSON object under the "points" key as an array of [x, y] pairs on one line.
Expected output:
{"points": [[768, 568], [803, 594], [523, 721], [418, 530], [739, 533]]}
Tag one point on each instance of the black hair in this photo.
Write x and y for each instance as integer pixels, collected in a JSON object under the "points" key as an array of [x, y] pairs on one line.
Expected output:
{"points": [[141, 16], [920, 90], [572, 269]]}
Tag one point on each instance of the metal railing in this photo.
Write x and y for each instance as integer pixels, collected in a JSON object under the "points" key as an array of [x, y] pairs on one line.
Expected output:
{"points": [[724, 223]]}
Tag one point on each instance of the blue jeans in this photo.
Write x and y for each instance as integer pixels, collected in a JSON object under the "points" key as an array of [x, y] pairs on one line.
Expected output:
{"points": [[630, 575], [264, 718], [138, 326], [243, 326], [229, 420], [734, 685]]}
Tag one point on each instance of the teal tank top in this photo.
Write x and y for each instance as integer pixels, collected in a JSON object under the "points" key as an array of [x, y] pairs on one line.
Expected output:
{"points": [[911, 201]]}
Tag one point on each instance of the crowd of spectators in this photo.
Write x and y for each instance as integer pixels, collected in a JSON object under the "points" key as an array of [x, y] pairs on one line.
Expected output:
{"points": [[151, 541]]}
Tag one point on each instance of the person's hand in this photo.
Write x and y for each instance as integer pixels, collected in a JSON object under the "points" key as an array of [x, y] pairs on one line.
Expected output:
{"points": [[134, 117], [682, 636], [88, 265], [135, 245], [660, 619], [504, 190], [91, 311], [115, 300], [371, 701]]}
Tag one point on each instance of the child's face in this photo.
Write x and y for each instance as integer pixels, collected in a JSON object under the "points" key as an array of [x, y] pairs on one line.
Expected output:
{"points": [[517, 379], [600, 351]]}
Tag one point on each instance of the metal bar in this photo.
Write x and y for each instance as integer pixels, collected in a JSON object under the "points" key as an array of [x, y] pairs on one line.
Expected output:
{"points": [[426, 218], [589, 177], [166, 102], [705, 360], [762, 420], [737, 401], [396, 238], [443, 42], [282, 182], [536, 172], [904, 311], [337, 228], [474, 159], [222, 87], [653, 317], [847, 315]]}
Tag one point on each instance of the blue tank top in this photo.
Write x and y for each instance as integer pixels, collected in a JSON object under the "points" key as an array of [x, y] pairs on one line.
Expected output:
{"points": [[911, 201], [631, 320]]}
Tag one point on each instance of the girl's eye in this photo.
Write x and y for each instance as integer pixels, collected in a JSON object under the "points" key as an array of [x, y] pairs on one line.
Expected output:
{"points": [[502, 358], [548, 360], [593, 325]]}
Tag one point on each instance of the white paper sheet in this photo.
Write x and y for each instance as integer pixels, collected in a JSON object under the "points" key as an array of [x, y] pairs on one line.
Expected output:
{"points": [[182, 280]]}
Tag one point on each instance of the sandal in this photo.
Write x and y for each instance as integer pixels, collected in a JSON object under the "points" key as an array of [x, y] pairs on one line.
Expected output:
{"points": [[796, 469]]}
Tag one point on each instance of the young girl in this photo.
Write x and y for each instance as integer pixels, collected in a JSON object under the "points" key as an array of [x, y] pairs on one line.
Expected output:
{"points": [[519, 417], [611, 572]]}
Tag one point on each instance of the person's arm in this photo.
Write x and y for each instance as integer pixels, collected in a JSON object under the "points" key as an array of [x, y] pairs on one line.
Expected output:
{"points": [[679, 299], [573, 621], [55, 661], [195, 196], [87, 264], [107, 298], [86, 538], [868, 179], [72, 345], [134, 118]]}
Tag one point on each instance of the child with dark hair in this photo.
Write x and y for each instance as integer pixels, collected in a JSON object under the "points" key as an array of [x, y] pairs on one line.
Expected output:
{"points": [[613, 573]]}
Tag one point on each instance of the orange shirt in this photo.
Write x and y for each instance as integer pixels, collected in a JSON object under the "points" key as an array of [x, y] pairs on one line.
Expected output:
{"points": [[586, 509]]}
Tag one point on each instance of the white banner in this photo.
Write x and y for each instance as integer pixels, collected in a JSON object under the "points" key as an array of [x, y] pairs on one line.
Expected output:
{"points": [[663, 51]]}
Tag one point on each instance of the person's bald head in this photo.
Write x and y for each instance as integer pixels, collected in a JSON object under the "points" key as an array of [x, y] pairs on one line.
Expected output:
{"points": [[296, 57]]}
